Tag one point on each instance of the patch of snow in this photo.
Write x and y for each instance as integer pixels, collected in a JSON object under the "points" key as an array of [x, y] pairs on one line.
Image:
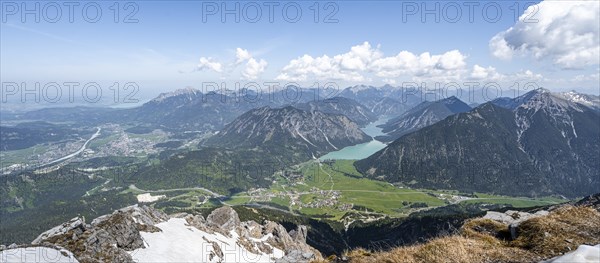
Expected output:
{"points": [[358, 88], [522, 124], [583, 254], [573, 126], [36, 254], [148, 198], [306, 140], [327, 139], [178, 242], [587, 100], [186, 91]]}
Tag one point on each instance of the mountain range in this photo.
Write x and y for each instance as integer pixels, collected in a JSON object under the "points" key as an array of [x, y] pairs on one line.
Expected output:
{"points": [[422, 115], [385, 100], [250, 149], [341, 106], [540, 143], [295, 131]]}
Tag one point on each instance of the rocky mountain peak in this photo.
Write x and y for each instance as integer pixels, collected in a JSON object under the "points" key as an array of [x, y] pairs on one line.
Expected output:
{"points": [[423, 115], [588, 100], [143, 233], [290, 129], [341, 106], [553, 138], [450, 99], [539, 99], [188, 91], [361, 87], [552, 104], [224, 218]]}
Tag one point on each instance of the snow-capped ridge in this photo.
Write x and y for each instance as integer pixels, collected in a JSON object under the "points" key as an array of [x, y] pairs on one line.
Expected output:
{"points": [[581, 98], [185, 91], [544, 99]]}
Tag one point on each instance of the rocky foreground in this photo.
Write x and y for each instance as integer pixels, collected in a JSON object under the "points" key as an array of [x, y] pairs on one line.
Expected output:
{"points": [[563, 233], [143, 234]]}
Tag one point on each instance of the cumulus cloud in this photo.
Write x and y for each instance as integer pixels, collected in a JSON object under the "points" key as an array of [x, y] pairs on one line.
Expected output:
{"points": [[339, 67], [324, 67], [389, 81], [210, 64], [490, 74], [566, 32], [241, 55], [591, 77], [254, 68], [527, 75], [423, 65], [251, 71], [364, 58], [482, 73]]}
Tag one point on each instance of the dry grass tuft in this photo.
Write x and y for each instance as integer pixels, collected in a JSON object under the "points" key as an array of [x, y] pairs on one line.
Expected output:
{"points": [[561, 231], [484, 240], [453, 249], [487, 230]]}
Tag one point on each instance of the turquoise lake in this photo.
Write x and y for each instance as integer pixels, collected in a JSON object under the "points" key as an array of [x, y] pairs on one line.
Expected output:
{"points": [[363, 150]]}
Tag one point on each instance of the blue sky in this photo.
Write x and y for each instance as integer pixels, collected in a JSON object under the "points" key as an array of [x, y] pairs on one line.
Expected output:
{"points": [[171, 47]]}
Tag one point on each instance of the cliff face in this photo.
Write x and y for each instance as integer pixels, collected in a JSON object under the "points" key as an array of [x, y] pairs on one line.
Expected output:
{"points": [[143, 233]]}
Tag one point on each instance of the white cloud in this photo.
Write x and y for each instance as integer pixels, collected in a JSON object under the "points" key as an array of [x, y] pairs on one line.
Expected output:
{"points": [[527, 75], [422, 66], [358, 58], [339, 67], [210, 64], [364, 59], [389, 81], [489, 73], [566, 32], [591, 77], [254, 68], [242, 55], [500, 48]]}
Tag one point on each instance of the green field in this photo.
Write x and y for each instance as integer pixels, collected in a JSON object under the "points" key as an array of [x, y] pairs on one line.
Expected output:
{"points": [[320, 182], [9, 158], [381, 197], [515, 201], [96, 143], [147, 136], [237, 200]]}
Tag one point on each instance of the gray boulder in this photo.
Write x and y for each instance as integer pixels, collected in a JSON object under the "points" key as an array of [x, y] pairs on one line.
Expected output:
{"points": [[296, 256], [513, 219], [107, 238], [224, 219]]}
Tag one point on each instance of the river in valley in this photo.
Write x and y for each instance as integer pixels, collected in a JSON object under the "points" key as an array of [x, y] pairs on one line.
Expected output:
{"points": [[363, 150]]}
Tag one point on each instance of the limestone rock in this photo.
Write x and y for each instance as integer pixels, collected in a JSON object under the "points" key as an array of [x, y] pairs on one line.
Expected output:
{"points": [[107, 238], [113, 237], [591, 201], [513, 219], [296, 256], [224, 218], [75, 226]]}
